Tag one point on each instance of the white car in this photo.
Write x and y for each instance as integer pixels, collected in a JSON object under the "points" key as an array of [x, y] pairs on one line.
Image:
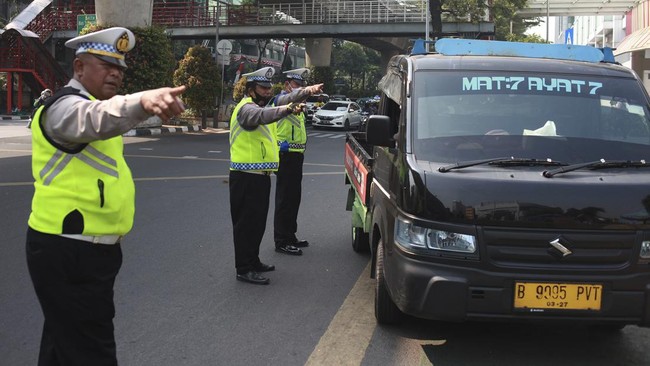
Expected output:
{"points": [[339, 114]]}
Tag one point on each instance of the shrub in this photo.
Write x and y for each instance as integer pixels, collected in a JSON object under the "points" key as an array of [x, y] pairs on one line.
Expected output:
{"points": [[199, 72]]}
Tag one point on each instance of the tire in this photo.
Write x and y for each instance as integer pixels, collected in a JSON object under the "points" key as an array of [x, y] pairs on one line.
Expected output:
{"points": [[360, 240], [346, 125], [386, 312]]}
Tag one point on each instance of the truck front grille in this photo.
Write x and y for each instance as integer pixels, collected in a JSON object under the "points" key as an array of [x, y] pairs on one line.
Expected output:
{"points": [[597, 250]]}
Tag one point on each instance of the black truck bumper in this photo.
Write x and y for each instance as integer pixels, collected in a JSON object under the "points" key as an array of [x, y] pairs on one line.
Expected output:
{"points": [[426, 289]]}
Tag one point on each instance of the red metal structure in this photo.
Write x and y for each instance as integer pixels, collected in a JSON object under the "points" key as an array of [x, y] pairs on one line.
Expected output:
{"points": [[24, 57]]}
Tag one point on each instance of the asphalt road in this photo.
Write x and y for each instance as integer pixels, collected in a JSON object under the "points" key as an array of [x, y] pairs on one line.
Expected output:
{"points": [[178, 303]]}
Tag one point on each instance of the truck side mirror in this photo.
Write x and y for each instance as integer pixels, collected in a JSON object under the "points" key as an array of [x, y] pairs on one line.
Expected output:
{"points": [[378, 131]]}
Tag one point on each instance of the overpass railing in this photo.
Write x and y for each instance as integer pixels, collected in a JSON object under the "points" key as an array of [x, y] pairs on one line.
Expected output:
{"points": [[190, 14], [182, 13]]}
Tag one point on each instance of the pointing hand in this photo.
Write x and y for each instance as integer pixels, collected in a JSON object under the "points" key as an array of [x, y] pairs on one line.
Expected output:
{"points": [[163, 102]]}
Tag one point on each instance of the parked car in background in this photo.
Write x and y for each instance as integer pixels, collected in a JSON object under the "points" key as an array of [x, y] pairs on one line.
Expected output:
{"points": [[339, 97], [313, 103], [338, 114]]}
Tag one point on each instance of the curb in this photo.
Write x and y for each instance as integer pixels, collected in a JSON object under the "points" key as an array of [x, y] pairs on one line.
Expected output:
{"points": [[14, 117], [161, 130]]}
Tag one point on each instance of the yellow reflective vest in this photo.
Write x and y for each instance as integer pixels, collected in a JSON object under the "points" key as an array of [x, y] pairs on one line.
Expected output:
{"points": [[92, 186], [254, 150], [292, 130]]}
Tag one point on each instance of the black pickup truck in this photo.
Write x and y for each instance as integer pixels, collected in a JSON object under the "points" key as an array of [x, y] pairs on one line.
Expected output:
{"points": [[506, 181]]}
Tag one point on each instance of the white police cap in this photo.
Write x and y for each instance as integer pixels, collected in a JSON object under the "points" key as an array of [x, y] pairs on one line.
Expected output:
{"points": [[261, 77], [299, 75], [109, 44]]}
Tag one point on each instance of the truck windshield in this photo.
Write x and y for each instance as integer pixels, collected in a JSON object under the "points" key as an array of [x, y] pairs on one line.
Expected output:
{"points": [[568, 118]]}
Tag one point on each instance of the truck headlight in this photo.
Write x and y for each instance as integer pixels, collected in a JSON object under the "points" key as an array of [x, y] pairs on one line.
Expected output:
{"points": [[411, 236]]}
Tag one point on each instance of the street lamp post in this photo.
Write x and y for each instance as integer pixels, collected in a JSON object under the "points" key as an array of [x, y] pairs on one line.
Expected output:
{"points": [[216, 42], [426, 24]]}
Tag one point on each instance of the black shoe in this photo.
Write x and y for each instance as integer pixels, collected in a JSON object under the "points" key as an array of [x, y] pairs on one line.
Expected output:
{"points": [[301, 244], [288, 249], [253, 277], [261, 267]]}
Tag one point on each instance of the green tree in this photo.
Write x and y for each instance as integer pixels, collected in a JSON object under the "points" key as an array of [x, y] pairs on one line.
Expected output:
{"points": [[502, 11], [350, 59], [199, 72], [325, 75]]}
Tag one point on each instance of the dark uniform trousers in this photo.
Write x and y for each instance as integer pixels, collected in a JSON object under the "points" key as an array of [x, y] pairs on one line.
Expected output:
{"points": [[249, 208], [288, 190], [74, 284]]}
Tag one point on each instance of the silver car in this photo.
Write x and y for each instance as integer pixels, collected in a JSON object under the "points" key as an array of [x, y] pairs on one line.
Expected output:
{"points": [[338, 114]]}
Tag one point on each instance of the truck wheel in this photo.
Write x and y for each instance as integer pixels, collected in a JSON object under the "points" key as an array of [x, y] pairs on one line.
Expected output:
{"points": [[386, 311], [360, 240]]}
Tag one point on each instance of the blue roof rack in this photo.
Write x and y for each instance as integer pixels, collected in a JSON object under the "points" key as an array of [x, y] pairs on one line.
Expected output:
{"points": [[419, 47], [472, 47]]}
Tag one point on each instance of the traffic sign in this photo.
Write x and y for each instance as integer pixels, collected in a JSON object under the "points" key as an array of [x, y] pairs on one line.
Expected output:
{"points": [[224, 47], [85, 19]]}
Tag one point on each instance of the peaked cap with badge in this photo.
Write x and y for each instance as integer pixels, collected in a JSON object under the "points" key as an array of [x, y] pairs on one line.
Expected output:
{"points": [[261, 77], [298, 75], [109, 44]]}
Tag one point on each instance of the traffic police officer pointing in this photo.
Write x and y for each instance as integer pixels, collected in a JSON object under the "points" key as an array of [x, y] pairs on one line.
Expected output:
{"points": [[292, 139], [84, 197], [253, 157]]}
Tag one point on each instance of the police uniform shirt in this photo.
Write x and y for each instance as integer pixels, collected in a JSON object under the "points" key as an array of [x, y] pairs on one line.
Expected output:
{"points": [[72, 120], [251, 115]]}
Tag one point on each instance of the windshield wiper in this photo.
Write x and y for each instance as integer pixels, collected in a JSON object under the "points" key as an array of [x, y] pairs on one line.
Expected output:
{"points": [[511, 161], [598, 164]]}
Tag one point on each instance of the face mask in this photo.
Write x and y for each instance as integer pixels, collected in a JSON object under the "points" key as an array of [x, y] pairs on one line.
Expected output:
{"points": [[260, 100]]}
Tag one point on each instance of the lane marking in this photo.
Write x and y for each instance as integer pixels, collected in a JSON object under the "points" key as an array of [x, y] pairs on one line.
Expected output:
{"points": [[336, 136], [347, 337], [224, 176]]}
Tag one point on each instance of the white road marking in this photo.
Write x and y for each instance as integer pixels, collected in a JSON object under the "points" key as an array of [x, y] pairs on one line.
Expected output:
{"points": [[346, 339]]}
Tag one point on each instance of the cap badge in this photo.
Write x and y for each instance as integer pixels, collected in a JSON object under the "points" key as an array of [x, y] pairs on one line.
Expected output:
{"points": [[122, 43], [269, 73]]}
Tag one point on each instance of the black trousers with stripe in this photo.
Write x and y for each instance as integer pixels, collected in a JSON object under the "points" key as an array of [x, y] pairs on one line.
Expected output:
{"points": [[288, 192], [249, 207], [74, 284]]}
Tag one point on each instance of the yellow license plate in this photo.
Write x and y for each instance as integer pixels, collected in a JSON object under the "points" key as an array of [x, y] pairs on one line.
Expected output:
{"points": [[557, 296]]}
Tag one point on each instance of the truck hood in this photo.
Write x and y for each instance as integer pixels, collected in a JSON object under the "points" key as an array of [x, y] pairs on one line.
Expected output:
{"points": [[521, 196]]}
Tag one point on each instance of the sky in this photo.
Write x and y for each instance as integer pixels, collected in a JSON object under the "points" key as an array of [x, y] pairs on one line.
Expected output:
{"points": [[540, 30]]}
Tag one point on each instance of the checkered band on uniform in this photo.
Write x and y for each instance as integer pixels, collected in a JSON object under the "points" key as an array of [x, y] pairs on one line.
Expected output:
{"points": [[254, 166], [294, 76], [257, 78], [294, 146], [99, 48]]}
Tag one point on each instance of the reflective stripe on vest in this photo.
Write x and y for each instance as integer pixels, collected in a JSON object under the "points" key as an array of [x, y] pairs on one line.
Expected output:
{"points": [[54, 169]]}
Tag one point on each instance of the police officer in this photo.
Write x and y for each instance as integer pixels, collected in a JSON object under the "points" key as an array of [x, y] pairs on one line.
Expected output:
{"points": [[292, 139], [253, 157], [84, 197], [41, 100]]}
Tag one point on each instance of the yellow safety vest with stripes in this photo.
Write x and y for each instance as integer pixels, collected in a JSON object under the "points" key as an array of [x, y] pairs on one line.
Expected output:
{"points": [[292, 130], [95, 182], [254, 150]]}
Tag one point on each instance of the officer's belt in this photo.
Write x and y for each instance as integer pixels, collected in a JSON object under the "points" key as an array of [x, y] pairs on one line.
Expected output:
{"points": [[104, 239]]}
